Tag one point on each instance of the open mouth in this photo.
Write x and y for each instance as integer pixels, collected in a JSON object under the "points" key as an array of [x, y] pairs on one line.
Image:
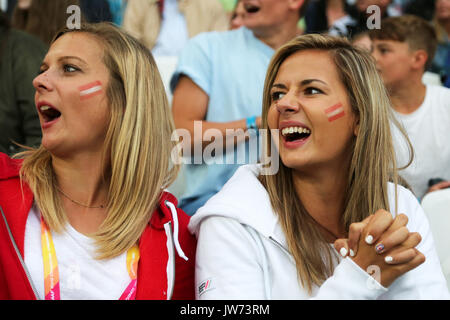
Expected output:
{"points": [[292, 134], [49, 113], [251, 8]]}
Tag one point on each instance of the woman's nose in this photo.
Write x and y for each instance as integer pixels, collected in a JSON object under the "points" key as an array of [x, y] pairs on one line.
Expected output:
{"points": [[288, 103], [42, 82]]}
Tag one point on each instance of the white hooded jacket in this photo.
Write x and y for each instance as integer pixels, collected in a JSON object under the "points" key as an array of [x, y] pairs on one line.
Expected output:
{"points": [[242, 252]]}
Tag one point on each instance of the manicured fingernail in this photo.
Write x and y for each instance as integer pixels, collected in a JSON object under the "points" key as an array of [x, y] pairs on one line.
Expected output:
{"points": [[379, 248], [369, 239], [352, 253], [343, 252], [388, 259]]}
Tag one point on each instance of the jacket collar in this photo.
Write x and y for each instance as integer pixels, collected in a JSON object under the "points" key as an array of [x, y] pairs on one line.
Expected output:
{"points": [[244, 199], [9, 168], [15, 198], [163, 214]]}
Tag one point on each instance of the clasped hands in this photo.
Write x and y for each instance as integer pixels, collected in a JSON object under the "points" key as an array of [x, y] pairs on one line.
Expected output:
{"points": [[383, 241]]}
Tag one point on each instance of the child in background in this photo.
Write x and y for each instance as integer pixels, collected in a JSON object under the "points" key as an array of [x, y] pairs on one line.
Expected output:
{"points": [[403, 48]]}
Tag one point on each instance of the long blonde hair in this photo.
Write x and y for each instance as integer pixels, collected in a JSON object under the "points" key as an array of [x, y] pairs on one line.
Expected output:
{"points": [[138, 144], [372, 164]]}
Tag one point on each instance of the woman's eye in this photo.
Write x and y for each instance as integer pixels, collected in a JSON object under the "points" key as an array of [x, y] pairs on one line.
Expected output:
{"points": [[277, 95], [69, 68], [312, 91]]}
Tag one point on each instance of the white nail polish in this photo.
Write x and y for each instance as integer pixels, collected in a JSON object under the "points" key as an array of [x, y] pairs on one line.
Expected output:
{"points": [[388, 259], [343, 252], [352, 253], [369, 239]]}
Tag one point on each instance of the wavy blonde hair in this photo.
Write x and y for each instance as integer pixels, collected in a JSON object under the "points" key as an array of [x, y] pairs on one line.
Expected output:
{"points": [[138, 145], [372, 164]]}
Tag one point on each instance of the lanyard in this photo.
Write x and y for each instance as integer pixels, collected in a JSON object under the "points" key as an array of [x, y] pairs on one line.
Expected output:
{"points": [[51, 273]]}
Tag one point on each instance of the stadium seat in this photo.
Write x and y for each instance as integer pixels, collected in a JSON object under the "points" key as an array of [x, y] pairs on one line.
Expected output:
{"points": [[437, 208]]}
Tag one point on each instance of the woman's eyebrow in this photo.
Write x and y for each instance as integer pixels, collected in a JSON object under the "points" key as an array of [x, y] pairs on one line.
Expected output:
{"points": [[279, 85], [72, 57], [308, 81], [302, 83]]}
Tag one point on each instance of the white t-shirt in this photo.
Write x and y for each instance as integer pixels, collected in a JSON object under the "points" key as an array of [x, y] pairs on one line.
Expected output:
{"points": [[173, 33], [428, 129], [81, 276]]}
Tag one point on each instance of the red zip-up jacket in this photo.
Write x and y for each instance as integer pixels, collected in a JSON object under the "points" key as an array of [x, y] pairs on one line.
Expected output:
{"points": [[162, 272]]}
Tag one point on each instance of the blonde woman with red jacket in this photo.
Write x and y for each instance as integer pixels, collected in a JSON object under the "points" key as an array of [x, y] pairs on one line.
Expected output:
{"points": [[85, 216]]}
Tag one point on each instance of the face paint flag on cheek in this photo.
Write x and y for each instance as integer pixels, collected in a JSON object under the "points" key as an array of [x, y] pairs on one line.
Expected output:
{"points": [[89, 90], [335, 112]]}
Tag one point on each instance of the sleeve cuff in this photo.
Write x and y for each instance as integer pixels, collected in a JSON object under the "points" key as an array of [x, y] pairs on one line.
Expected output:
{"points": [[350, 282]]}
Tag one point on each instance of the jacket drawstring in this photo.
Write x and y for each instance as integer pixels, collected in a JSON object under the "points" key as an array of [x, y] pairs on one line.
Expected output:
{"points": [[175, 229]]}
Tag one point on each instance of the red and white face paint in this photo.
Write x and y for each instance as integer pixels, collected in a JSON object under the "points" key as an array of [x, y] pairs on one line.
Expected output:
{"points": [[335, 112], [90, 90]]}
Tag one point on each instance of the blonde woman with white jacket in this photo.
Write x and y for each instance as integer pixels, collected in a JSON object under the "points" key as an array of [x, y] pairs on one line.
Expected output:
{"points": [[271, 236]]}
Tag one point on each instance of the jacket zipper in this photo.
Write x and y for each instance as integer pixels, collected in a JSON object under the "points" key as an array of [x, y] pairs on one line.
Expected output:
{"points": [[286, 251], [16, 248]]}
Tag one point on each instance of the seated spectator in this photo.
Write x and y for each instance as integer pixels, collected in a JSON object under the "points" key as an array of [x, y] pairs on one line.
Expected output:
{"points": [[359, 14], [441, 23], [271, 236], [218, 87], [328, 16], [339, 18], [403, 48], [89, 202], [20, 57], [29, 16], [164, 26]]}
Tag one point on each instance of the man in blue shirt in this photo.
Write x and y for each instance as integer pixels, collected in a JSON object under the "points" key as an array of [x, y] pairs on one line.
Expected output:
{"points": [[217, 90]]}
